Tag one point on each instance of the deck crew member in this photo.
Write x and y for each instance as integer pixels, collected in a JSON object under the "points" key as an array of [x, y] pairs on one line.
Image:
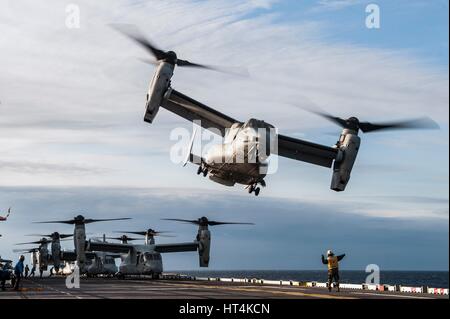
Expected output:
{"points": [[27, 270], [18, 272], [332, 262]]}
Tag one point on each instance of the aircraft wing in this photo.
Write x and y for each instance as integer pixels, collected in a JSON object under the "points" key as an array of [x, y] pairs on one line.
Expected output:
{"points": [[306, 151], [72, 256], [109, 247], [192, 110], [293, 148], [174, 248]]}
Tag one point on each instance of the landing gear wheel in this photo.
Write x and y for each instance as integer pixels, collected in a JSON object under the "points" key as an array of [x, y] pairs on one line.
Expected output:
{"points": [[205, 172], [251, 188], [257, 190], [200, 170]]}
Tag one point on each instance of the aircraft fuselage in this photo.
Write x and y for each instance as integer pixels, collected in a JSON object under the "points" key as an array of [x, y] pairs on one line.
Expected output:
{"points": [[242, 158]]}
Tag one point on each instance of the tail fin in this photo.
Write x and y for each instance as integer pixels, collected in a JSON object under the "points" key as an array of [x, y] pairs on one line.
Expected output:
{"points": [[190, 157], [189, 151]]}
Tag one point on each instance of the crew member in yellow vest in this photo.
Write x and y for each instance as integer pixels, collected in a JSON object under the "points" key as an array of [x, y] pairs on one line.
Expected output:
{"points": [[332, 262]]}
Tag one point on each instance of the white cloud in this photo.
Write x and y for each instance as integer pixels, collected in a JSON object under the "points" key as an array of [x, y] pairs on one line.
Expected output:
{"points": [[77, 96], [336, 4]]}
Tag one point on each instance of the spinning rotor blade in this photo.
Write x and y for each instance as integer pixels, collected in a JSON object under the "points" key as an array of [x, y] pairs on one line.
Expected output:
{"points": [[213, 223], [236, 71], [420, 123], [205, 221], [57, 222], [367, 127], [80, 220], [137, 37], [34, 242], [134, 34], [183, 220], [334, 119], [88, 221], [123, 238], [62, 236], [31, 250], [144, 233]]}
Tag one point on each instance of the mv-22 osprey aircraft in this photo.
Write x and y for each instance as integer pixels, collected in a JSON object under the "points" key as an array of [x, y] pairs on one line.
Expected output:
{"points": [[136, 259], [97, 263], [242, 158], [146, 259], [87, 261], [41, 256]]}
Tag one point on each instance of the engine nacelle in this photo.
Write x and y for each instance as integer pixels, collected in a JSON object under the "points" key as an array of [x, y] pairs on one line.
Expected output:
{"points": [[348, 145], [79, 240], [56, 254], [43, 257], [204, 246], [34, 258], [158, 87]]}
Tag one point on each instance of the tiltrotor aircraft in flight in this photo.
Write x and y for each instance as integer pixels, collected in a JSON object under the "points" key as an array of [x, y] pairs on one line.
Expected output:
{"points": [[247, 145]]}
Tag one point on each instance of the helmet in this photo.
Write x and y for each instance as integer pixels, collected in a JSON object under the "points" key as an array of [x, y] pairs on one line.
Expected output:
{"points": [[330, 253]]}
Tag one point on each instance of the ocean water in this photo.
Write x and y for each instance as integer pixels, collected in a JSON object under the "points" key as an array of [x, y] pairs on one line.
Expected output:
{"points": [[435, 279]]}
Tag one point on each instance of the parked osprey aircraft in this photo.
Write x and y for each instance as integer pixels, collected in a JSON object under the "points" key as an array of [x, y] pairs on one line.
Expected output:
{"points": [[243, 156], [139, 259], [146, 259], [79, 255], [103, 263], [96, 263], [43, 255], [40, 256], [34, 255]]}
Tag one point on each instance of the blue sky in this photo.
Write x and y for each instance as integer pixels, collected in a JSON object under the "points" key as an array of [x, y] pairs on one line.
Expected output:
{"points": [[71, 120], [417, 26]]}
